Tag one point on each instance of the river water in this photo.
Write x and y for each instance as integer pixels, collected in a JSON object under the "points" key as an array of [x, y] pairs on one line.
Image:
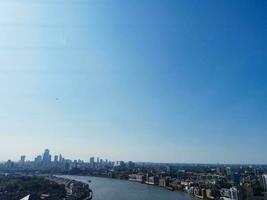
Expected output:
{"points": [[113, 189]]}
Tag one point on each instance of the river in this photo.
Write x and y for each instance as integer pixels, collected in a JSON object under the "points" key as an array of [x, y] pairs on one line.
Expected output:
{"points": [[114, 189]]}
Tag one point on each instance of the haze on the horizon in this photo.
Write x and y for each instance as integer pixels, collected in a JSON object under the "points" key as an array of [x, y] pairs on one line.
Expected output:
{"points": [[143, 80]]}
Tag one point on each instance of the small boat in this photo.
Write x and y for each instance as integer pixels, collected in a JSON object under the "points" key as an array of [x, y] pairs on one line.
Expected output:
{"points": [[89, 181]]}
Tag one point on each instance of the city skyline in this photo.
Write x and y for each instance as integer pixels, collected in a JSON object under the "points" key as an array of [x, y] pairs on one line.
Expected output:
{"points": [[47, 156], [204, 181], [152, 80]]}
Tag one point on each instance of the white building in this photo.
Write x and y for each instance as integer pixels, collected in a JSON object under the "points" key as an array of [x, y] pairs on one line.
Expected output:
{"points": [[234, 193], [264, 181]]}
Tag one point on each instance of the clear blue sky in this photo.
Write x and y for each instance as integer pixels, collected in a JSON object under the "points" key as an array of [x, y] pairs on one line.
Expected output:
{"points": [[142, 80]]}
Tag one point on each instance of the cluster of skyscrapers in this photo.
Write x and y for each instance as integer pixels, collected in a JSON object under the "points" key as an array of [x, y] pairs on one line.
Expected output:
{"points": [[46, 158]]}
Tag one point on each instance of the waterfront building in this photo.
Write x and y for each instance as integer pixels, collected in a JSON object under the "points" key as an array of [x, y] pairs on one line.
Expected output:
{"points": [[140, 177], [200, 193], [164, 182], [78, 190], [152, 180], [176, 185]]}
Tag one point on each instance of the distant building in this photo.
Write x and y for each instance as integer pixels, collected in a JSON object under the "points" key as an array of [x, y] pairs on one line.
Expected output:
{"points": [[131, 165], [92, 162], [38, 159], [22, 159], [75, 164], [119, 164], [228, 171], [46, 156], [234, 177], [9, 164], [168, 168], [181, 174], [67, 166], [218, 170], [56, 158]]}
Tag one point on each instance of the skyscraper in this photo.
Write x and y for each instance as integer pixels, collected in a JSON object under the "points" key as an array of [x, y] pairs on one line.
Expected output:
{"points": [[56, 158], [46, 156], [92, 162], [22, 159]]}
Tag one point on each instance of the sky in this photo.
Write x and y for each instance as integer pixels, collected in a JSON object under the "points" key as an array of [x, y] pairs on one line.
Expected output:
{"points": [[143, 80]]}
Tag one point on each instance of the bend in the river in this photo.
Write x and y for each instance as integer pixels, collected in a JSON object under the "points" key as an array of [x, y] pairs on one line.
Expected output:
{"points": [[114, 189]]}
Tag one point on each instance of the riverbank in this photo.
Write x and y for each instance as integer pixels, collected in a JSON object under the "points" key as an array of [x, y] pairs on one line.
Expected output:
{"points": [[169, 188], [74, 189], [118, 189]]}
